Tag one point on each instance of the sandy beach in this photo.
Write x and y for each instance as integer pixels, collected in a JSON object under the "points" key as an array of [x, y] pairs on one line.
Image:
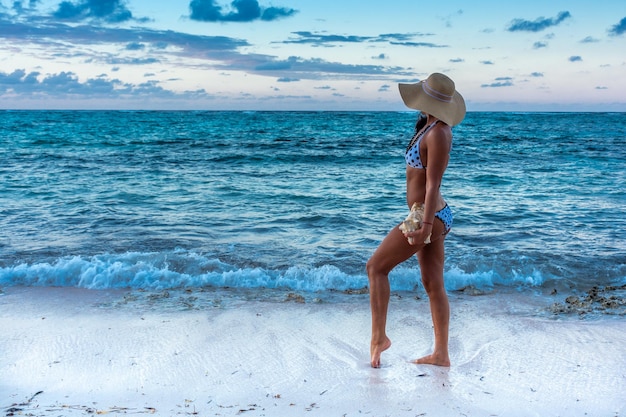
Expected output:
{"points": [[68, 351]]}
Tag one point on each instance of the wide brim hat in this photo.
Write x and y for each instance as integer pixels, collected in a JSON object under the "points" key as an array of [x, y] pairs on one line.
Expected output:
{"points": [[436, 96]]}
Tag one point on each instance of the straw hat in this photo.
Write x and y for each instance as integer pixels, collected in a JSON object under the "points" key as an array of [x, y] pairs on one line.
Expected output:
{"points": [[436, 96]]}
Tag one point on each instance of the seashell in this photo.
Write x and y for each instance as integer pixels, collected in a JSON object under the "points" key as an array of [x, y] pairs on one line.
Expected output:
{"points": [[413, 221]]}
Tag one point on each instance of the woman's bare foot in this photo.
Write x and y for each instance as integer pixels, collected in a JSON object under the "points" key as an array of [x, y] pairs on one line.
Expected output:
{"points": [[376, 349], [434, 359]]}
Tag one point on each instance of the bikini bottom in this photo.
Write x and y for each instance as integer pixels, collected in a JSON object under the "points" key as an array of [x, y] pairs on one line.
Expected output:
{"points": [[445, 215]]}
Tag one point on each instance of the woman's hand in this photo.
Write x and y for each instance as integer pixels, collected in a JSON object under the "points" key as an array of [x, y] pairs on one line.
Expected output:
{"points": [[420, 236]]}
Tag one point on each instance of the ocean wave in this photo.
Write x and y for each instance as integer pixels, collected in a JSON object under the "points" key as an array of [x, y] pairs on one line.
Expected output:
{"points": [[184, 269]]}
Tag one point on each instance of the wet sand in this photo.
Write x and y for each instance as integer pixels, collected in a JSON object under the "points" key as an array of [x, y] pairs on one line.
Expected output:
{"points": [[70, 351]]}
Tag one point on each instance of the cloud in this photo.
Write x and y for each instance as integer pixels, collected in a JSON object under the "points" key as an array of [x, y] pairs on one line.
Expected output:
{"points": [[287, 80], [274, 13], [487, 62], [589, 39], [242, 11], [65, 85], [457, 60], [619, 28], [112, 11], [318, 39], [539, 24], [131, 61], [316, 68], [18, 5], [59, 40], [448, 19], [575, 58], [538, 45], [324, 39], [55, 37], [17, 80], [135, 46], [499, 82], [401, 37], [97, 44], [536, 74], [406, 40], [420, 44]]}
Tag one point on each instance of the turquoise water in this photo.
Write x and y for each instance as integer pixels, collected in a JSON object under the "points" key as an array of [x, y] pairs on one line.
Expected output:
{"points": [[110, 199]]}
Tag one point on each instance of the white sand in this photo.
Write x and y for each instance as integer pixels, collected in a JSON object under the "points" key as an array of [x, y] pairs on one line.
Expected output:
{"points": [[91, 352]]}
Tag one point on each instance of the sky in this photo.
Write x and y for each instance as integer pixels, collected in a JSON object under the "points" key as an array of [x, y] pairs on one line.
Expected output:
{"points": [[310, 54]]}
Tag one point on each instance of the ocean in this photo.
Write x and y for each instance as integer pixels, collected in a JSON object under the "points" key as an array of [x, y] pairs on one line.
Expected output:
{"points": [[300, 200]]}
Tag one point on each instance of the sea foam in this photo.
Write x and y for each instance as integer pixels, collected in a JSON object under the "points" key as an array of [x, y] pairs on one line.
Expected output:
{"points": [[183, 269]]}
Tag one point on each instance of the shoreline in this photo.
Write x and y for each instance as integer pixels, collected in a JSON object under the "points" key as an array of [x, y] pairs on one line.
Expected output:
{"points": [[87, 352]]}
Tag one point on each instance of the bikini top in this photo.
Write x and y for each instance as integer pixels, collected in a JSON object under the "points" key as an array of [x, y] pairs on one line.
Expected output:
{"points": [[412, 155]]}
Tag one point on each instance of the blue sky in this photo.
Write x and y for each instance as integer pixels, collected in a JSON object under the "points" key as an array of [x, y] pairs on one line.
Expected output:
{"points": [[310, 54]]}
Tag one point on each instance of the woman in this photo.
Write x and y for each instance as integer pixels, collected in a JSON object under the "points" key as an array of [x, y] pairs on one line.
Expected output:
{"points": [[427, 158]]}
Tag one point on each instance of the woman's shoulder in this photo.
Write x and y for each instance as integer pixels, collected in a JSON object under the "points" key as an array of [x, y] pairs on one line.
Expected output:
{"points": [[440, 125], [439, 135], [441, 129]]}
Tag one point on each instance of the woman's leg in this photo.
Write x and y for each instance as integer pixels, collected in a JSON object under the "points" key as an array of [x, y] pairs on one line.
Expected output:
{"points": [[431, 259], [393, 250]]}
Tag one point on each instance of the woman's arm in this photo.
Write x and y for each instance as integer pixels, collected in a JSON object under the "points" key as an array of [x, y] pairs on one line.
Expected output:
{"points": [[437, 143]]}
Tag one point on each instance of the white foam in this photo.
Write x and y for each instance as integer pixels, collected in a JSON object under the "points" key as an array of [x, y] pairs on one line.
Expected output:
{"points": [[188, 269]]}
